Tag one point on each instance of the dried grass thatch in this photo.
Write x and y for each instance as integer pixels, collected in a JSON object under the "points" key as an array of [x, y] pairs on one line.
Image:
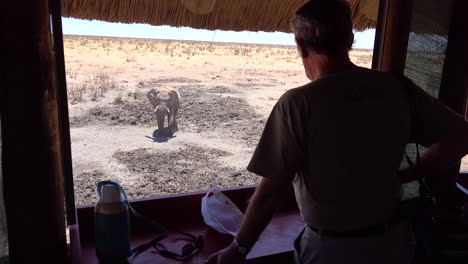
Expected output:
{"points": [[237, 15]]}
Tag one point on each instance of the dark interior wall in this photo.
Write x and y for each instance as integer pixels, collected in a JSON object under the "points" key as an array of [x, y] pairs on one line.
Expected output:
{"points": [[454, 91], [31, 163], [3, 231]]}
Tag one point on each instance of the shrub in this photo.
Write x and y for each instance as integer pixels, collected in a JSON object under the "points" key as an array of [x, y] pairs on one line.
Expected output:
{"points": [[130, 59], [75, 92]]}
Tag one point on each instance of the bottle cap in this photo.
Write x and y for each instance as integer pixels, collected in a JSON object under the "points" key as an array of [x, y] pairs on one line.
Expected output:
{"points": [[110, 194]]}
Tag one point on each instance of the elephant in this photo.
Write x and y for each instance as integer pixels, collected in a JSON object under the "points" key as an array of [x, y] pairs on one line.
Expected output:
{"points": [[166, 102]]}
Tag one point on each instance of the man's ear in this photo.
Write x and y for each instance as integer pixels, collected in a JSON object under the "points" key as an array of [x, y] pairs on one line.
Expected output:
{"points": [[301, 47]]}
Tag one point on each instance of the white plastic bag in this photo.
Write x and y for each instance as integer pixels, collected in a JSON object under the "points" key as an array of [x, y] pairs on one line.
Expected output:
{"points": [[220, 213]]}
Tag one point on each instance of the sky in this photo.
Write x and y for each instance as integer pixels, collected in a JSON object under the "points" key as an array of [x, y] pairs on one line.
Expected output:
{"points": [[72, 26]]}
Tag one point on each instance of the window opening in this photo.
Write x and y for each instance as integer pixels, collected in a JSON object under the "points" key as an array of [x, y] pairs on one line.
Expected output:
{"points": [[226, 93], [425, 56]]}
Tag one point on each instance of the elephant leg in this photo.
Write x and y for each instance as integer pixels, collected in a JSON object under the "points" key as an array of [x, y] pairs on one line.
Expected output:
{"points": [[169, 119], [174, 121], [174, 103]]}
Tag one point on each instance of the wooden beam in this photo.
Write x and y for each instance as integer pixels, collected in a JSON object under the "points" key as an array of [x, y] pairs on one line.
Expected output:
{"points": [[32, 165], [63, 113], [380, 34], [454, 83], [392, 41]]}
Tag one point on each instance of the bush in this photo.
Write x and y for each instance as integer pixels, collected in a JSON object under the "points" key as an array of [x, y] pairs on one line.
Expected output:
{"points": [[76, 91]]}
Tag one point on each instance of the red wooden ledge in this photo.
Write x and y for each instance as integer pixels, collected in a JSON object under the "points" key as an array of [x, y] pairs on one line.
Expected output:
{"points": [[184, 212]]}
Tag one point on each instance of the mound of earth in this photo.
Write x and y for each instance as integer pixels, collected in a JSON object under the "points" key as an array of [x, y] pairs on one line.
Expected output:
{"points": [[85, 186], [188, 169]]}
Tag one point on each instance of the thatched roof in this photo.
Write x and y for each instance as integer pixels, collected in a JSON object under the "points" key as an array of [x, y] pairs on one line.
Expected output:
{"points": [[237, 15]]}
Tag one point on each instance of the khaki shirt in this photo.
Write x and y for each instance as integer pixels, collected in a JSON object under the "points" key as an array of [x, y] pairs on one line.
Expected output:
{"points": [[342, 137]]}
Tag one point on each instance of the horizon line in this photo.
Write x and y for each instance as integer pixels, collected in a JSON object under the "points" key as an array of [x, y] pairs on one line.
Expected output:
{"points": [[200, 41]]}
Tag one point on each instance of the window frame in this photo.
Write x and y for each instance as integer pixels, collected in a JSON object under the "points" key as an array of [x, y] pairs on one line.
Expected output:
{"points": [[390, 57]]}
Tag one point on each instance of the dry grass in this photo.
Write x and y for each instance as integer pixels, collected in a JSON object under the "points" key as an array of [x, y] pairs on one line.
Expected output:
{"points": [[97, 65], [75, 93], [90, 86], [130, 49]]}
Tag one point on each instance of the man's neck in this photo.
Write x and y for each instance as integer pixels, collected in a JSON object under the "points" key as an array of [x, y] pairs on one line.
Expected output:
{"points": [[321, 65]]}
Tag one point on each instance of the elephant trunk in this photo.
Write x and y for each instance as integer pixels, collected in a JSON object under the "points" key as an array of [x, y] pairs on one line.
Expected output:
{"points": [[161, 112]]}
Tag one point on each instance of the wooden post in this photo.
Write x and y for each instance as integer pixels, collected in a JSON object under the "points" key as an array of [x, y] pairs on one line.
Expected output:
{"points": [[454, 83], [379, 34], [32, 167], [63, 112], [392, 35]]}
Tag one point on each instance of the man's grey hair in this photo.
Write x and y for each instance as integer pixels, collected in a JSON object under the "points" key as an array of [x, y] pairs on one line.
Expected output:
{"points": [[304, 28], [324, 26]]}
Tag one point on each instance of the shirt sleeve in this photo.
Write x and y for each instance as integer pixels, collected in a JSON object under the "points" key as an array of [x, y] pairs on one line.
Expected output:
{"points": [[280, 151], [434, 120]]}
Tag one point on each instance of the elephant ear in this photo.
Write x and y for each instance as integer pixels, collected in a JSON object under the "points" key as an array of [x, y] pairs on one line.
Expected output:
{"points": [[153, 98], [174, 98]]}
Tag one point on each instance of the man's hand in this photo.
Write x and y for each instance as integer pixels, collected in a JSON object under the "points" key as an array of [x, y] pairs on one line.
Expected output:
{"points": [[267, 197], [228, 255]]}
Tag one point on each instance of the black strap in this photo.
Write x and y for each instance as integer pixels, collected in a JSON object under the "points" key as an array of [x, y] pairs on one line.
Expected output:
{"points": [[422, 219], [410, 89], [419, 176], [195, 244]]}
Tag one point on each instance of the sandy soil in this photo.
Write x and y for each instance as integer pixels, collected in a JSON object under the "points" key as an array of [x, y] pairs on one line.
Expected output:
{"points": [[227, 91]]}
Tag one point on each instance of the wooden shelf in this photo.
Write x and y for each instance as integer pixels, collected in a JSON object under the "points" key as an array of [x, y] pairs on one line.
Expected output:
{"points": [[183, 212]]}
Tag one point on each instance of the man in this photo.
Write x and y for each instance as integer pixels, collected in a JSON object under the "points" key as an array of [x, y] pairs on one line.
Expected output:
{"points": [[339, 140]]}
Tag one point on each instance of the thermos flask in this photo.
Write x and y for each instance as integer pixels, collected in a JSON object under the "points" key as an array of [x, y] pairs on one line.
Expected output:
{"points": [[112, 225]]}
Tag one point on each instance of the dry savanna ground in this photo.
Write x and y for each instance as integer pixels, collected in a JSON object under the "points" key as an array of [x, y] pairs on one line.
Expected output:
{"points": [[227, 91]]}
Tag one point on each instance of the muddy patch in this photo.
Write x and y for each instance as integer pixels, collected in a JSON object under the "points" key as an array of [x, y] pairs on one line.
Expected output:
{"points": [[189, 169], [85, 186], [230, 116], [134, 113], [221, 90], [176, 80], [158, 82], [152, 172]]}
